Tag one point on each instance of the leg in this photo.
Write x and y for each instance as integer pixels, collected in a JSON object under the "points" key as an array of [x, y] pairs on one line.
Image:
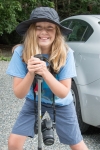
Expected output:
{"points": [[16, 142], [67, 127], [23, 127], [79, 146]]}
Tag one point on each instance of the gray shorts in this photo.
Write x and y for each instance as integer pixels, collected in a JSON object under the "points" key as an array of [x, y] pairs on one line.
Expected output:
{"points": [[67, 126]]}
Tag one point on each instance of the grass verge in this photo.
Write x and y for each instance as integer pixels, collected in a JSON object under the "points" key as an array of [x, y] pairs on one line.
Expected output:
{"points": [[5, 53], [5, 58]]}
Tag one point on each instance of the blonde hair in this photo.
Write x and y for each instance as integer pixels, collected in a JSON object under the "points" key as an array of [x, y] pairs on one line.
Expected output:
{"points": [[58, 52]]}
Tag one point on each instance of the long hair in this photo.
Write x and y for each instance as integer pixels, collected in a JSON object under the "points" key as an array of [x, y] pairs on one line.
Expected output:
{"points": [[58, 52]]}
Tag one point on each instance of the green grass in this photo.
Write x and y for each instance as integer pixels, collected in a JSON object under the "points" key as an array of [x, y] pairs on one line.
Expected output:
{"points": [[5, 54], [5, 58]]}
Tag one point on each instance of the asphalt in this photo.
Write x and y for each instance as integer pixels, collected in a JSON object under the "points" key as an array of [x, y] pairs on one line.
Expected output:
{"points": [[9, 109]]}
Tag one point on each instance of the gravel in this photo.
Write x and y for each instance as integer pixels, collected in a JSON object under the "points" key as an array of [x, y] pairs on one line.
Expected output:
{"points": [[9, 109]]}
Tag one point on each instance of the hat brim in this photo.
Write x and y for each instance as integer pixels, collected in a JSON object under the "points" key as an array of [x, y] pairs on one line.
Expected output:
{"points": [[23, 26]]}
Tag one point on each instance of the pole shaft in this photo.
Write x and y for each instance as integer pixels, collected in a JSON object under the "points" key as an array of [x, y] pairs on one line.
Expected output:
{"points": [[39, 116], [39, 148]]}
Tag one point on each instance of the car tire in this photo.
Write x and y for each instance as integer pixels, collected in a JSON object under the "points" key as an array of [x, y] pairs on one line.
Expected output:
{"points": [[83, 126]]}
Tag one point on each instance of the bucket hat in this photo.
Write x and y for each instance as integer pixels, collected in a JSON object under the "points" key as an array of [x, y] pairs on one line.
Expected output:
{"points": [[40, 14]]}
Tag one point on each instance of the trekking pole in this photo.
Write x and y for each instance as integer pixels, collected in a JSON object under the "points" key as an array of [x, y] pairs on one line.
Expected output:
{"points": [[39, 115], [46, 129]]}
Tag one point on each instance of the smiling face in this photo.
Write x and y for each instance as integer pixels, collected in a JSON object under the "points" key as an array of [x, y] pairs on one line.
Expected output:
{"points": [[45, 33]]}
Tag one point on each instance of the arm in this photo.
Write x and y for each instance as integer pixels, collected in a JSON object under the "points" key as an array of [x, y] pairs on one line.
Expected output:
{"points": [[22, 86], [59, 88], [36, 66]]}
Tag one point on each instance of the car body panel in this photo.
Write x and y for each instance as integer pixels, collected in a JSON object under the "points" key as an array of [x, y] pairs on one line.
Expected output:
{"points": [[87, 61], [90, 103]]}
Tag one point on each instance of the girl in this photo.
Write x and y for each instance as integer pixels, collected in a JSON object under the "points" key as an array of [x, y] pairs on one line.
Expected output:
{"points": [[43, 34]]}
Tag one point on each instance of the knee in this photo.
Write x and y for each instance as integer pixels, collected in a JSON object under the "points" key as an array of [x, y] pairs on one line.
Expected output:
{"points": [[12, 144], [79, 146]]}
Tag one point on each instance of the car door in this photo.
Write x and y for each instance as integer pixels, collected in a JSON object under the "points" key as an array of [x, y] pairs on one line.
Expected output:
{"points": [[77, 40], [85, 41]]}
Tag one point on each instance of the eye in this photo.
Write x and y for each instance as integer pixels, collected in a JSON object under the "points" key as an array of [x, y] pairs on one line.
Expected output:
{"points": [[38, 27], [50, 28]]}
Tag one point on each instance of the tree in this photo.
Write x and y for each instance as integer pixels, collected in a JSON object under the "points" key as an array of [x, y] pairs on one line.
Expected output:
{"points": [[13, 12], [68, 8], [8, 15]]}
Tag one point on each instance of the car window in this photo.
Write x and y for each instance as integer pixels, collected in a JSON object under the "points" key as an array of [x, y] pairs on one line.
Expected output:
{"points": [[81, 30], [66, 23]]}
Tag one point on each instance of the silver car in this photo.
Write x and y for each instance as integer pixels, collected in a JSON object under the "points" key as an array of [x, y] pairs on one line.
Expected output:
{"points": [[85, 41]]}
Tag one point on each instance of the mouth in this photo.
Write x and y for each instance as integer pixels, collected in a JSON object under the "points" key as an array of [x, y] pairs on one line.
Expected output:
{"points": [[43, 38]]}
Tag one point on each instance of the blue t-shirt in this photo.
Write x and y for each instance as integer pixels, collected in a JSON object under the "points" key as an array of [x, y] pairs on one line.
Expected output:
{"points": [[17, 68]]}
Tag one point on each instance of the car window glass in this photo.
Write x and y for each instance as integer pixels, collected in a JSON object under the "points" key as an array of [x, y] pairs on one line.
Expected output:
{"points": [[81, 30], [66, 23]]}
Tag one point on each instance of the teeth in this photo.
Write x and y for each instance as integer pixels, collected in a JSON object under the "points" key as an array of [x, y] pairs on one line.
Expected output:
{"points": [[44, 38]]}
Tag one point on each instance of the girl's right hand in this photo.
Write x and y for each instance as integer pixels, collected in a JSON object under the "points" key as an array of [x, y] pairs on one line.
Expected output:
{"points": [[33, 65]]}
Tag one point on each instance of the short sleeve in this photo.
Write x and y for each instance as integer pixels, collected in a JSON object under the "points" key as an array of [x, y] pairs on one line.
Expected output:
{"points": [[69, 70], [16, 66]]}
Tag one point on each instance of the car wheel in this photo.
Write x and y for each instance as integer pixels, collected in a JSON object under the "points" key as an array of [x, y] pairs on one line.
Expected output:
{"points": [[83, 126]]}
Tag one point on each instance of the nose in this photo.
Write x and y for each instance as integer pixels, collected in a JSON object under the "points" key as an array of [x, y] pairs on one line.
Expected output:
{"points": [[43, 31]]}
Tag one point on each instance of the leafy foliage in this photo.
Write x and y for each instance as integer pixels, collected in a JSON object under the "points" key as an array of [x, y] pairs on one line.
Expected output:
{"points": [[8, 14], [14, 11], [68, 8]]}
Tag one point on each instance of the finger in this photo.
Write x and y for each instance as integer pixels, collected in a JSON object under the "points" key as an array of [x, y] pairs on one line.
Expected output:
{"points": [[36, 66], [36, 59], [38, 72], [31, 57], [43, 63], [33, 62]]}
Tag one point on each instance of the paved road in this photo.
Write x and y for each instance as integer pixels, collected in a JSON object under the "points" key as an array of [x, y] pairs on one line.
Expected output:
{"points": [[9, 109]]}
